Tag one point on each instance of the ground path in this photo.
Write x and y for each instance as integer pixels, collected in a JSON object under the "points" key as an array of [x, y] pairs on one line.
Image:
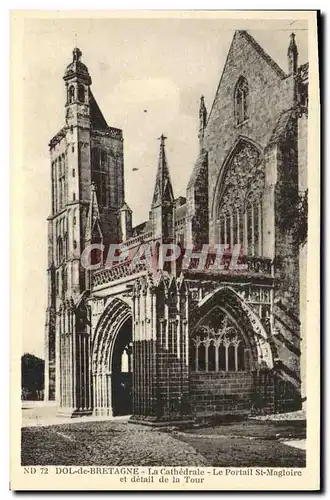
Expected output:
{"points": [[114, 442]]}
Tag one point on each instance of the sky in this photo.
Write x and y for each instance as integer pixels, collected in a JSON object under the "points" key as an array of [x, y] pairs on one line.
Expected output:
{"points": [[161, 65]]}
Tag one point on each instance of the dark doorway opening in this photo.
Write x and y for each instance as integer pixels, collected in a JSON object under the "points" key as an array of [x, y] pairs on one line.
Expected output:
{"points": [[122, 371]]}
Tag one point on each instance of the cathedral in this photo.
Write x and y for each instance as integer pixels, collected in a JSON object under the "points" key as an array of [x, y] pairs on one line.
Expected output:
{"points": [[181, 342]]}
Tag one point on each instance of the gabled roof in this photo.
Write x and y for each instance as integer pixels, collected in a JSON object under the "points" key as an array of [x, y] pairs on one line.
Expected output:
{"points": [[244, 34], [262, 53]]}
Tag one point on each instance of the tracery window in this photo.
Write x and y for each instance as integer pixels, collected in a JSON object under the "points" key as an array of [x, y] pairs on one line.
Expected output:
{"points": [[241, 100], [217, 345], [239, 213], [99, 175]]}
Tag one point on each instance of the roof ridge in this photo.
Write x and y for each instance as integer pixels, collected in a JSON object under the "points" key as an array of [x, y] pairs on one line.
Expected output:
{"points": [[263, 53]]}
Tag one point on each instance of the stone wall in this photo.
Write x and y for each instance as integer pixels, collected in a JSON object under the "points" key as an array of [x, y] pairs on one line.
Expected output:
{"points": [[240, 394], [222, 393]]}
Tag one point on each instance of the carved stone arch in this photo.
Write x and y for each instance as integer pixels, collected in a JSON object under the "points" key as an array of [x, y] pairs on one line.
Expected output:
{"points": [[221, 186], [108, 326], [116, 316], [245, 319]]}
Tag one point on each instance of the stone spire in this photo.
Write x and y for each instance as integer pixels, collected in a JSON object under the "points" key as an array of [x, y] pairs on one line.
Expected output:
{"points": [[202, 122], [292, 56], [163, 187]]}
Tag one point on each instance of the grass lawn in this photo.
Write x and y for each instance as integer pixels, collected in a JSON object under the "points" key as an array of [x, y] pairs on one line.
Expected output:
{"points": [[113, 443]]}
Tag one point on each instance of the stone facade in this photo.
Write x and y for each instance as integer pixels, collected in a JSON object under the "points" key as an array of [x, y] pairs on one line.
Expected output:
{"points": [[173, 341]]}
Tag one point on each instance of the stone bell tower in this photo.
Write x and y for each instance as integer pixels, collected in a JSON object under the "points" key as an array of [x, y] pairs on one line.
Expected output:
{"points": [[87, 191]]}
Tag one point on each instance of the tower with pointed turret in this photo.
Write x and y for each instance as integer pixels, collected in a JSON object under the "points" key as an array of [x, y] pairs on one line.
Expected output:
{"points": [[87, 192], [162, 206]]}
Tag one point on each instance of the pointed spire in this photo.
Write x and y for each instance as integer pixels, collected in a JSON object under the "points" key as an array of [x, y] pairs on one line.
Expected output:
{"points": [[292, 55], [163, 186], [93, 218], [202, 113], [202, 122]]}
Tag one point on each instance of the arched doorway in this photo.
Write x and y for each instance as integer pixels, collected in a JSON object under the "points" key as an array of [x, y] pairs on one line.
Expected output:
{"points": [[122, 371], [112, 361]]}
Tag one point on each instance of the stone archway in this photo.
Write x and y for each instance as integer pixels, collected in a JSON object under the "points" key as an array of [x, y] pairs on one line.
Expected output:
{"points": [[229, 348], [245, 319], [112, 360]]}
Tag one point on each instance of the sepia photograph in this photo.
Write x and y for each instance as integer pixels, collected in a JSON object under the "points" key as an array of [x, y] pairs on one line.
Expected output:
{"points": [[165, 214]]}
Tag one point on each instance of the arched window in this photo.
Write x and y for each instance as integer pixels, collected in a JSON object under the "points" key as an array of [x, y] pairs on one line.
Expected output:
{"points": [[66, 245], [217, 345], [239, 211], [64, 280], [71, 94], [59, 249], [81, 93], [241, 100]]}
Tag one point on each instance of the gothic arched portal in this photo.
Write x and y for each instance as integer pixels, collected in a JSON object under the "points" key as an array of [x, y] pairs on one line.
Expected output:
{"points": [[224, 318], [112, 363]]}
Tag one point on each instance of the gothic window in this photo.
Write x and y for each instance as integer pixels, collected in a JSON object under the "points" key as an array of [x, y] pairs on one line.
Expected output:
{"points": [[59, 249], [64, 280], [66, 245], [241, 100], [81, 93], [99, 175], [217, 345], [61, 181], [73, 173], [239, 210], [71, 94]]}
